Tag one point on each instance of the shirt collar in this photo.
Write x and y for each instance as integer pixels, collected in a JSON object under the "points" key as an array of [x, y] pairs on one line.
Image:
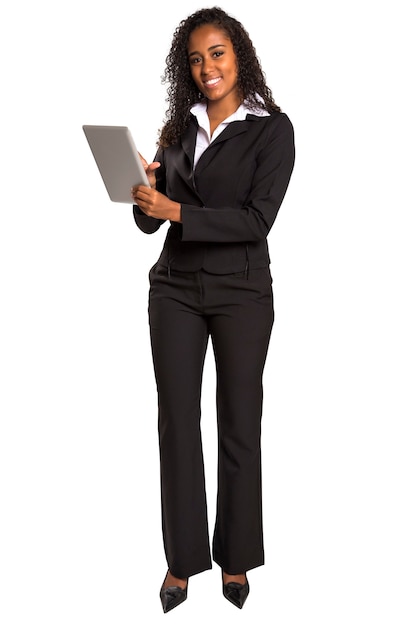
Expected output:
{"points": [[200, 111]]}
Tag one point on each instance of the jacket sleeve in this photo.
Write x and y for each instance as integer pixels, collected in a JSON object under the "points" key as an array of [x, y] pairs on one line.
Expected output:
{"points": [[253, 220], [148, 224]]}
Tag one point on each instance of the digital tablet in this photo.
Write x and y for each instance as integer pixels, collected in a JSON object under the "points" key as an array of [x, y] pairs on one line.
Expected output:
{"points": [[117, 159]]}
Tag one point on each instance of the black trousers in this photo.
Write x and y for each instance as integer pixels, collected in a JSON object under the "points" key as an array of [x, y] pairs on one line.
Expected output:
{"points": [[236, 311]]}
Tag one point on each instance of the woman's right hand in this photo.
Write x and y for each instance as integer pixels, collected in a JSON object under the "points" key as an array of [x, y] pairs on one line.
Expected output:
{"points": [[150, 170]]}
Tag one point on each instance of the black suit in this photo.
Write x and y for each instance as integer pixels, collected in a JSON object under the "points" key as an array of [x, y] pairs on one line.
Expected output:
{"points": [[238, 186], [212, 280]]}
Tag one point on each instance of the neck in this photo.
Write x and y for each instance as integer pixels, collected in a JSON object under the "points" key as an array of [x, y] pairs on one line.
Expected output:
{"points": [[221, 110]]}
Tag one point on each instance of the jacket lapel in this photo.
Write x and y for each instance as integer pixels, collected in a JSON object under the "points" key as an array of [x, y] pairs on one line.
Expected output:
{"points": [[188, 139], [232, 130]]}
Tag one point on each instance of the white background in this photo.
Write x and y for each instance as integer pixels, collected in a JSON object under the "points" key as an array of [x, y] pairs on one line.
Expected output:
{"points": [[80, 520]]}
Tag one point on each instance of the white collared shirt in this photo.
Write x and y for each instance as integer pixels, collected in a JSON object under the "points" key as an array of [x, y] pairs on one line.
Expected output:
{"points": [[203, 134]]}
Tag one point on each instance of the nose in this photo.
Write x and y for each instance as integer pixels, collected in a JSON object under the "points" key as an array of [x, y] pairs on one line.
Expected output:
{"points": [[207, 65]]}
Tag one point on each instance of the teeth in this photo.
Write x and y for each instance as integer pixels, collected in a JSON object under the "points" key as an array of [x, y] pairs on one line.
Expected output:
{"points": [[213, 81]]}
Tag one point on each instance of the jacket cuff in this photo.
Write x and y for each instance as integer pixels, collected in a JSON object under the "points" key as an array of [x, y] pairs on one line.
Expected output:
{"points": [[190, 220]]}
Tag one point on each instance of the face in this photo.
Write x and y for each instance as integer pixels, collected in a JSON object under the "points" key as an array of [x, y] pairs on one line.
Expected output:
{"points": [[213, 65]]}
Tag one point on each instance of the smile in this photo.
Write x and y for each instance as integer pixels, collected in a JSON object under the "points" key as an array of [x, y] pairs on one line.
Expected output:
{"points": [[212, 82]]}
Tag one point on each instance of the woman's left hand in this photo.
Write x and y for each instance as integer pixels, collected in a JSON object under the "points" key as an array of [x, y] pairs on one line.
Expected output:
{"points": [[156, 204]]}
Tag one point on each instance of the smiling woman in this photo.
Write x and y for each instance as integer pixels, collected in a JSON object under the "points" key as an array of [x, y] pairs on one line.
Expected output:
{"points": [[214, 70], [225, 159]]}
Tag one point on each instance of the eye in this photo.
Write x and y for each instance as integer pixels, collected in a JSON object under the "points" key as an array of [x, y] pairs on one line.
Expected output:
{"points": [[195, 60], [217, 54]]}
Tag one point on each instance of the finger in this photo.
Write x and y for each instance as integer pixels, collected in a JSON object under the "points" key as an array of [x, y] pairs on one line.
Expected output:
{"points": [[141, 194], [136, 188], [134, 192]]}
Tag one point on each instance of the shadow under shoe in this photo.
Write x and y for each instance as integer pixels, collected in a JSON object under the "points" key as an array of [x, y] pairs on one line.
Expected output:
{"points": [[171, 597], [236, 593]]}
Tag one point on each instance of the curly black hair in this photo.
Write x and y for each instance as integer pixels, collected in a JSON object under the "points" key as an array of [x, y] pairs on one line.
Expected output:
{"points": [[182, 92]]}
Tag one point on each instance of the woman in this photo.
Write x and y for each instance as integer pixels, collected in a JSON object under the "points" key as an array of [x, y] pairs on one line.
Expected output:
{"points": [[225, 158]]}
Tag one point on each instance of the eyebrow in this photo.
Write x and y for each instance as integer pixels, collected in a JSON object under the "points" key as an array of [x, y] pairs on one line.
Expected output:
{"points": [[217, 45]]}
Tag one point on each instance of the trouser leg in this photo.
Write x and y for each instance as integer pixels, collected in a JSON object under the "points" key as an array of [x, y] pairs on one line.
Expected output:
{"points": [[240, 335], [179, 341]]}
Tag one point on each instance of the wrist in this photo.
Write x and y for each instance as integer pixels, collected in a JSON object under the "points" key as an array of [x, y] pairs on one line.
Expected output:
{"points": [[176, 213]]}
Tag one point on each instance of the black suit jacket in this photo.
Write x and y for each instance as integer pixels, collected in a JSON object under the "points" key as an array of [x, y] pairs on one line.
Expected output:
{"points": [[230, 202]]}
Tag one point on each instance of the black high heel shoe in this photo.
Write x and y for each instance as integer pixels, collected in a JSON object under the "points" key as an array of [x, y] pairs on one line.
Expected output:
{"points": [[171, 597], [235, 592]]}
